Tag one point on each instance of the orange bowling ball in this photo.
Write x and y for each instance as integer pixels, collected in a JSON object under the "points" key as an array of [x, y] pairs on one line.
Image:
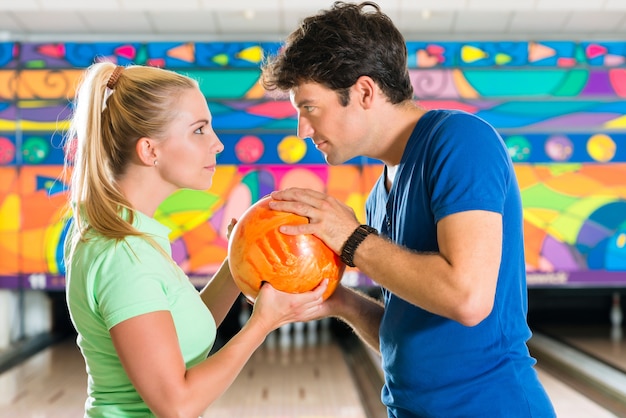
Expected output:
{"points": [[258, 252]]}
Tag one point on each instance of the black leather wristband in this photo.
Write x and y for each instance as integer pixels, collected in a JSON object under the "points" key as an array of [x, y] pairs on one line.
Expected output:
{"points": [[351, 244]]}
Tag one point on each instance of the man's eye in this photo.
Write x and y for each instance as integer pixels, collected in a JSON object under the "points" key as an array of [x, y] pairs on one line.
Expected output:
{"points": [[309, 109]]}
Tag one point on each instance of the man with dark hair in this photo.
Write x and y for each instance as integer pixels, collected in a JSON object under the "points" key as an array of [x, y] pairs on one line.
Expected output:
{"points": [[444, 236]]}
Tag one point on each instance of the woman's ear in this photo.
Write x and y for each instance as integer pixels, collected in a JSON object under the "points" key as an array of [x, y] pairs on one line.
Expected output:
{"points": [[146, 151]]}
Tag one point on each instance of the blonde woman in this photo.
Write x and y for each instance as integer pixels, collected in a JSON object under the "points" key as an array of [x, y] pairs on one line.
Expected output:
{"points": [[145, 332]]}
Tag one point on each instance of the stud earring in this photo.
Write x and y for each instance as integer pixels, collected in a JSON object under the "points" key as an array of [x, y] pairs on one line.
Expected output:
{"points": [[155, 163]]}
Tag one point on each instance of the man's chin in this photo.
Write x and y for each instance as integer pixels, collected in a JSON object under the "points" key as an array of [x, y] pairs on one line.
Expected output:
{"points": [[332, 161]]}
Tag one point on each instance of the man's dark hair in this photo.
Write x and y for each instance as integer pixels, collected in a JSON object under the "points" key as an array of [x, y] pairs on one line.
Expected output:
{"points": [[336, 47]]}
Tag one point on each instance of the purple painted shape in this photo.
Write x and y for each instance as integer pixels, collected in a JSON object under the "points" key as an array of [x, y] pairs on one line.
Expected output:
{"points": [[46, 114], [266, 183], [217, 218], [10, 282], [577, 120], [598, 84], [591, 234], [29, 53], [559, 254], [578, 279], [238, 105], [484, 104], [9, 113], [179, 251]]}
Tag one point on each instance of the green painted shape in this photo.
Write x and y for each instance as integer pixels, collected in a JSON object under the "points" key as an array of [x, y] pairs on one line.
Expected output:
{"points": [[562, 168], [583, 208], [282, 125], [218, 108], [231, 84], [569, 223], [251, 180], [501, 83], [542, 197], [546, 109], [142, 55], [184, 200], [574, 82], [568, 227], [580, 55], [36, 64]]}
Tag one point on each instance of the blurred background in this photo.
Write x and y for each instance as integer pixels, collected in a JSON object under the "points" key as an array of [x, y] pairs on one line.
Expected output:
{"points": [[550, 75]]}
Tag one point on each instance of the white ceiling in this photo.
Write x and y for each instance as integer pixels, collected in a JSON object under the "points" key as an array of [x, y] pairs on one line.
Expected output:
{"points": [[272, 20]]}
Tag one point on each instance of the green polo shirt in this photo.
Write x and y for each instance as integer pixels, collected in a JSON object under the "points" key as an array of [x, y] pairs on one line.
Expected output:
{"points": [[109, 282]]}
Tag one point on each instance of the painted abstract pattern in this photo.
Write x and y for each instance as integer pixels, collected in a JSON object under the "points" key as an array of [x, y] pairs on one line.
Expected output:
{"points": [[559, 106]]}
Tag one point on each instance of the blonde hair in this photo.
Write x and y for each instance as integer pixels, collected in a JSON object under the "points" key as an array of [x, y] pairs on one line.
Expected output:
{"points": [[105, 126]]}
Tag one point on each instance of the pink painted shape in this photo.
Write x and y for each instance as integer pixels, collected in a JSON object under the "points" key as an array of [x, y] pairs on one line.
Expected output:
{"points": [[126, 51], [249, 149], [156, 62], [433, 84], [611, 60], [595, 51], [52, 50], [448, 104], [618, 81], [566, 62], [238, 201], [277, 110]]}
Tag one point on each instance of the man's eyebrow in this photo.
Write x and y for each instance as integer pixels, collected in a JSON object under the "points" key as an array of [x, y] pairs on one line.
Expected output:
{"points": [[304, 102]]}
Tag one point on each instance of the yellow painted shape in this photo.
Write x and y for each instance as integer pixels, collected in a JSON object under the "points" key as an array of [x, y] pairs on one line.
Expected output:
{"points": [[27, 125], [617, 123], [8, 125], [51, 241], [601, 148], [253, 54], [540, 217], [10, 213], [471, 54], [291, 149]]}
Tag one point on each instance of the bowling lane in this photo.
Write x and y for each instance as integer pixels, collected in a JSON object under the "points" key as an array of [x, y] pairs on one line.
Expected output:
{"points": [[49, 384], [603, 342], [294, 375], [290, 381]]}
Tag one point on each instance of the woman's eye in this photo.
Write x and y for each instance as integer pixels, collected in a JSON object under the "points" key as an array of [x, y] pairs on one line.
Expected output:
{"points": [[199, 131]]}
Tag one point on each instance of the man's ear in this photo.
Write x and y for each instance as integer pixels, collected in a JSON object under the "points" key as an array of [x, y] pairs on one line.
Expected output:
{"points": [[146, 151], [366, 90]]}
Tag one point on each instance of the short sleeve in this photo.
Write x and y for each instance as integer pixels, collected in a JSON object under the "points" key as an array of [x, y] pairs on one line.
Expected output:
{"points": [[131, 280], [469, 167]]}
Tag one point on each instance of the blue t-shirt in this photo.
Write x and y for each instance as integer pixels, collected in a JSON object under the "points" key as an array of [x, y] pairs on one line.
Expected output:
{"points": [[434, 366]]}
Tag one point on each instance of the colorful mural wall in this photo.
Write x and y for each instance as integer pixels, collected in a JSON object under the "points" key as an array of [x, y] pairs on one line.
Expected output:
{"points": [[559, 106]]}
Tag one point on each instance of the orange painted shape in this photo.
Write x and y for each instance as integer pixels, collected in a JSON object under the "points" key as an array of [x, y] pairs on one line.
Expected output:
{"points": [[573, 184], [533, 243], [209, 255], [9, 245], [185, 52], [538, 52]]}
